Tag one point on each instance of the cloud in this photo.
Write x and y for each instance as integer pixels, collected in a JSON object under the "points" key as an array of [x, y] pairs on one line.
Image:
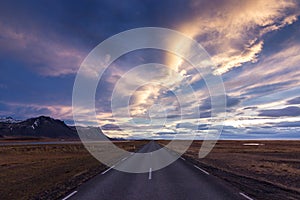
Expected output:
{"points": [[250, 108], [286, 124], [233, 31], [294, 101], [278, 71], [47, 56], [226, 62], [166, 133], [110, 127], [230, 102], [264, 131], [272, 133], [288, 111], [25, 110], [262, 89], [206, 114], [191, 126]]}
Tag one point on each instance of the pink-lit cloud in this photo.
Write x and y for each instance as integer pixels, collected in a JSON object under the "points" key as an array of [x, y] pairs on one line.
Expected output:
{"points": [[48, 56], [232, 31]]}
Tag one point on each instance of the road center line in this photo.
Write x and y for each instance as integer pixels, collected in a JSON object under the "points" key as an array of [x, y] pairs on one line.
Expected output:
{"points": [[150, 173], [247, 197], [205, 172], [69, 195], [108, 169], [182, 158]]}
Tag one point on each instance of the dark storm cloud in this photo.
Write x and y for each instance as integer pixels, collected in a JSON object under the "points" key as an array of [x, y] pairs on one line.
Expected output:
{"points": [[173, 116], [206, 114], [166, 133], [110, 127], [202, 127], [285, 124], [294, 101], [189, 125], [290, 111], [250, 108], [230, 102]]}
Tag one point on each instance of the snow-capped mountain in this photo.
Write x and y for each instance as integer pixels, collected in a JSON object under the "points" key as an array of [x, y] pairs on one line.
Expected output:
{"points": [[36, 127], [9, 120], [45, 127]]}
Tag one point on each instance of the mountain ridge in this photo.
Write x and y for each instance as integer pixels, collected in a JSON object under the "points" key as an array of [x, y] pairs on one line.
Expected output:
{"points": [[45, 127], [42, 126]]}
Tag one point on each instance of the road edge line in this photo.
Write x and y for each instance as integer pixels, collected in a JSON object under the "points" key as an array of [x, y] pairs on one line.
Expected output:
{"points": [[205, 172], [65, 198], [108, 169], [246, 196]]}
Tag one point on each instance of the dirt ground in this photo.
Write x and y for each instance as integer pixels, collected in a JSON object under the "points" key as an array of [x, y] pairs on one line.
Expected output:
{"points": [[48, 171]]}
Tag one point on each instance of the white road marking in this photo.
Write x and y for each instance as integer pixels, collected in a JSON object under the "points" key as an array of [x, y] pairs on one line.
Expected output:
{"points": [[108, 169], [182, 158], [132, 153], [151, 153], [247, 197], [150, 173], [124, 158], [205, 172], [69, 195]]}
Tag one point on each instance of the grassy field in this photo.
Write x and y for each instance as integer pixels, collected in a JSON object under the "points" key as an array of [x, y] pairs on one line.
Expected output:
{"points": [[270, 170], [48, 171]]}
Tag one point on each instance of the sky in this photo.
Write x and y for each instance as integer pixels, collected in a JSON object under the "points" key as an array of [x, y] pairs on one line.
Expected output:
{"points": [[253, 44]]}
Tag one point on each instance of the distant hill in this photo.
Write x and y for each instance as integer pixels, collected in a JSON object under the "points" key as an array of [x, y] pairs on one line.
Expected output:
{"points": [[37, 127], [47, 127]]}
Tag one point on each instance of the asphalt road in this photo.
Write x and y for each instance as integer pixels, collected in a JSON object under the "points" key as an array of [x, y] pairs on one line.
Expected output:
{"points": [[180, 180]]}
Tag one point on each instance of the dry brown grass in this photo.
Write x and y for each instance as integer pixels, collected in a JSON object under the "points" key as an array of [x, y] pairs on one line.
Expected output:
{"points": [[47, 171], [269, 171]]}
